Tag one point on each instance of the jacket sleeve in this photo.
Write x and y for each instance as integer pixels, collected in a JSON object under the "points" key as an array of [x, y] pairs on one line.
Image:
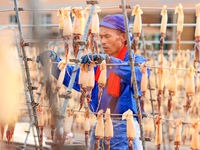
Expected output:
{"points": [[124, 71], [68, 73]]}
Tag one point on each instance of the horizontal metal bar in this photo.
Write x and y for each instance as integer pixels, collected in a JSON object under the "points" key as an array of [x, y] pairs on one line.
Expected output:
{"points": [[126, 64], [168, 25], [108, 7], [130, 26], [152, 42], [173, 120]]}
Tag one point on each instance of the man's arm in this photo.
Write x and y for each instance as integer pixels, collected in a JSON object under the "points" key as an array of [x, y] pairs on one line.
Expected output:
{"points": [[68, 73], [124, 71]]}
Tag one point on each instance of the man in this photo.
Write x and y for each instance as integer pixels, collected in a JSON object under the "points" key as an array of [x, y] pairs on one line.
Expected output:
{"points": [[118, 92]]}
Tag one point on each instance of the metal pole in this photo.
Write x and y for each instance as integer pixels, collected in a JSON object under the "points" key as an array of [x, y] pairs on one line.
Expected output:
{"points": [[27, 70], [27, 97], [134, 77], [130, 26]]}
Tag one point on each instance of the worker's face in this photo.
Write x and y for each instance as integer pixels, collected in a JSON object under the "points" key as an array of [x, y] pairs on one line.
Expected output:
{"points": [[112, 40]]}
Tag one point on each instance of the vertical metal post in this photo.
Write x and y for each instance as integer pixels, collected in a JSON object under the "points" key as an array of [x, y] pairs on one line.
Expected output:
{"points": [[27, 98], [27, 70], [134, 76]]}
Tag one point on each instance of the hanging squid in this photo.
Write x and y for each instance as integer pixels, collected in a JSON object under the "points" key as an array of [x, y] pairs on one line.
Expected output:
{"points": [[187, 58], [163, 26], [190, 88], [90, 83], [137, 26], [170, 53], [95, 30], [161, 79], [195, 135], [101, 80], [185, 133], [67, 30], [177, 141], [68, 123], [158, 139], [172, 87], [130, 129], [197, 37], [78, 27], [81, 81], [10, 131], [40, 122], [87, 11], [87, 126], [61, 21], [99, 132], [62, 66], [108, 129], [179, 10], [143, 69]]}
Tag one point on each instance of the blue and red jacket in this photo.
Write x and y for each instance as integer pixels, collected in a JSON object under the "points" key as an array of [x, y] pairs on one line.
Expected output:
{"points": [[118, 105]]}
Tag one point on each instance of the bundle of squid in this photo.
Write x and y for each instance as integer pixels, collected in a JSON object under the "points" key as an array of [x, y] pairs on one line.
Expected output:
{"points": [[185, 133], [82, 83], [161, 79], [108, 129], [61, 65], [10, 132], [158, 139], [171, 130], [130, 128], [190, 88], [177, 141], [179, 10], [40, 122], [87, 126], [90, 83], [67, 30], [61, 21], [95, 30], [143, 69], [67, 123], [195, 135], [197, 37], [187, 58], [99, 132], [163, 26], [170, 53], [101, 80], [78, 27], [137, 26], [172, 87]]}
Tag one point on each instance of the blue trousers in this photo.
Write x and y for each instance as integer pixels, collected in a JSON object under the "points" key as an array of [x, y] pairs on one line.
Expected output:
{"points": [[119, 140]]}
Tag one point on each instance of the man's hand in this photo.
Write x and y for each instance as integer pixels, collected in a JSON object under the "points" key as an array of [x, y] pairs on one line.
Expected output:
{"points": [[98, 58], [45, 56]]}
